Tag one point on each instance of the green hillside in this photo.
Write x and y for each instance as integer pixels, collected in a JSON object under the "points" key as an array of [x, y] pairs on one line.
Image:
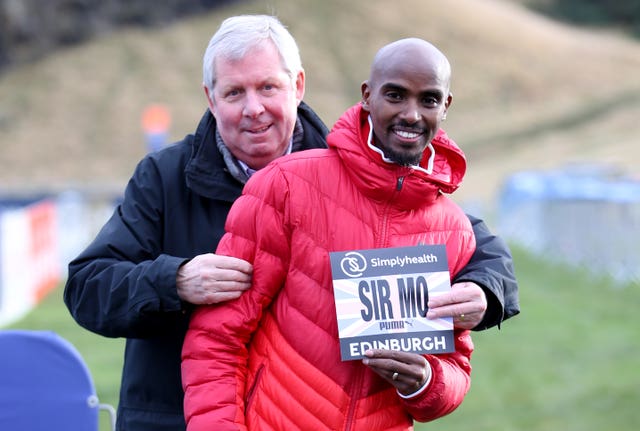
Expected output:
{"points": [[528, 92]]}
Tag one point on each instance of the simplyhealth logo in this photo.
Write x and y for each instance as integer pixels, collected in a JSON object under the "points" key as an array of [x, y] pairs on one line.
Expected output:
{"points": [[353, 264]]}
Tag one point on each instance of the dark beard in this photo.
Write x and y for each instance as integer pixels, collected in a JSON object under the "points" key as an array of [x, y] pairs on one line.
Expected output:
{"points": [[402, 159]]}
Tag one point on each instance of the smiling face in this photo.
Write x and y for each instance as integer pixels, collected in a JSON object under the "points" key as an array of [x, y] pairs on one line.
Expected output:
{"points": [[255, 104], [407, 96]]}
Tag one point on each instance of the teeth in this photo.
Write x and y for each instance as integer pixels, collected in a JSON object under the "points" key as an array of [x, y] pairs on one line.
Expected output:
{"points": [[407, 135]]}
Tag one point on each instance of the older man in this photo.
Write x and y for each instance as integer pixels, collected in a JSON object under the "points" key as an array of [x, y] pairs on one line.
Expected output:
{"points": [[153, 260]]}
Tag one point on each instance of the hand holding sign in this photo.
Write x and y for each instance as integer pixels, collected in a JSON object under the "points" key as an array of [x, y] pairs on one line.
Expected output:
{"points": [[466, 302], [408, 372]]}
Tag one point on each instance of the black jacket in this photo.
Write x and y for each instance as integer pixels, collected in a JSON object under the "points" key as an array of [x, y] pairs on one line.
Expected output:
{"points": [[174, 208]]}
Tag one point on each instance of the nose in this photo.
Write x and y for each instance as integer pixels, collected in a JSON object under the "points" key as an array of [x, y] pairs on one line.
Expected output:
{"points": [[253, 106], [411, 112]]}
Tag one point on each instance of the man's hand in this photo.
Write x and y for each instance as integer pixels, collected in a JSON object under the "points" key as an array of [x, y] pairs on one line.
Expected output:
{"points": [[210, 278], [466, 303], [407, 371]]}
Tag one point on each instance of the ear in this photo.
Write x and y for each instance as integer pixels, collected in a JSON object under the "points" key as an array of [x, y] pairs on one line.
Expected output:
{"points": [[449, 100], [447, 104], [366, 94], [212, 106], [300, 86]]}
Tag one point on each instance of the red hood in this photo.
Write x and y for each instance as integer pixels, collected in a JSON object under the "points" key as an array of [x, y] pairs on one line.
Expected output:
{"points": [[349, 137]]}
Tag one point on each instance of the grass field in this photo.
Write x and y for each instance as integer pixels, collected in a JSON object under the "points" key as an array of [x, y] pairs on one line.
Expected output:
{"points": [[569, 362]]}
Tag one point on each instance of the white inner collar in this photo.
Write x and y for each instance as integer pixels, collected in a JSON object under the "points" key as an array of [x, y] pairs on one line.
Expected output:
{"points": [[432, 157]]}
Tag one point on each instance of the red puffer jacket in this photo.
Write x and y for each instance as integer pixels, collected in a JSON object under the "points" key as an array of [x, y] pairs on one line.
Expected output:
{"points": [[270, 360]]}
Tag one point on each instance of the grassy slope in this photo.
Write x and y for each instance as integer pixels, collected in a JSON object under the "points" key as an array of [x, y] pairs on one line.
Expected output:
{"points": [[529, 93], [568, 362]]}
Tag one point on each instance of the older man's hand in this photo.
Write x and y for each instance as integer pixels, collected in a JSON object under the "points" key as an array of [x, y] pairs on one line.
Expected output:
{"points": [[211, 278]]}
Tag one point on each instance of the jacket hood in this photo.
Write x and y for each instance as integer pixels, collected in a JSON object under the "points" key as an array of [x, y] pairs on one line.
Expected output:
{"points": [[349, 137]]}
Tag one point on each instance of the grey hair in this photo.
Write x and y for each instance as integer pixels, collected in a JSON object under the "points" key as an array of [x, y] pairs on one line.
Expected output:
{"points": [[238, 34]]}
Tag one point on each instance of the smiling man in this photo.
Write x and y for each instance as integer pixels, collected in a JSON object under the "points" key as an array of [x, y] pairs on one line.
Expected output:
{"points": [[407, 104], [255, 101], [271, 358]]}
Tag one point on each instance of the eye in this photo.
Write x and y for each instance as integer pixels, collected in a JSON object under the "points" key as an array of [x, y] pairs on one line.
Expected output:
{"points": [[430, 101], [393, 95], [232, 93], [269, 89]]}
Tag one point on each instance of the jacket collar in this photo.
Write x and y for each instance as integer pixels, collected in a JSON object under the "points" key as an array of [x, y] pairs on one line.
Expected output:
{"points": [[430, 151], [441, 170], [206, 172]]}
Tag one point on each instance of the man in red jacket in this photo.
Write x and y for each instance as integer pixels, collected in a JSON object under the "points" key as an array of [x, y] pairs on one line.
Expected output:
{"points": [[271, 358]]}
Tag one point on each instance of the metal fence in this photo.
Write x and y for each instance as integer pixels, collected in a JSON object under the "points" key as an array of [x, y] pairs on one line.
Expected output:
{"points": [[587, 217], [39, 234]]}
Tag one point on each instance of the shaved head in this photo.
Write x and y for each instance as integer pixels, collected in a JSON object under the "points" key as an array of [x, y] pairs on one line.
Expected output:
{"points": [[410, 52]]}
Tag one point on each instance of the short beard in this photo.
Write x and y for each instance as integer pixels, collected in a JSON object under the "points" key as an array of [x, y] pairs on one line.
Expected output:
{"points": [[403, 159]]}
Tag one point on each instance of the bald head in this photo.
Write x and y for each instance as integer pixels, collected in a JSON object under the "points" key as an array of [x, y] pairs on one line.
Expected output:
{"points": [[411, 53]]}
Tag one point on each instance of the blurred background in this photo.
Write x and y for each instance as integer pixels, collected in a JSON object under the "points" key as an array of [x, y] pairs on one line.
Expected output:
{"points": [[546, 107]]}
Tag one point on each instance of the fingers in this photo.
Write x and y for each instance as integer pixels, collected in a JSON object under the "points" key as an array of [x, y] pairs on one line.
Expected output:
{"points": [[218, 297], [467, 321], [206, 291], [226, 280], [465, 302], [406, 371], [459, 293], [228, 263], [210, 279]]}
